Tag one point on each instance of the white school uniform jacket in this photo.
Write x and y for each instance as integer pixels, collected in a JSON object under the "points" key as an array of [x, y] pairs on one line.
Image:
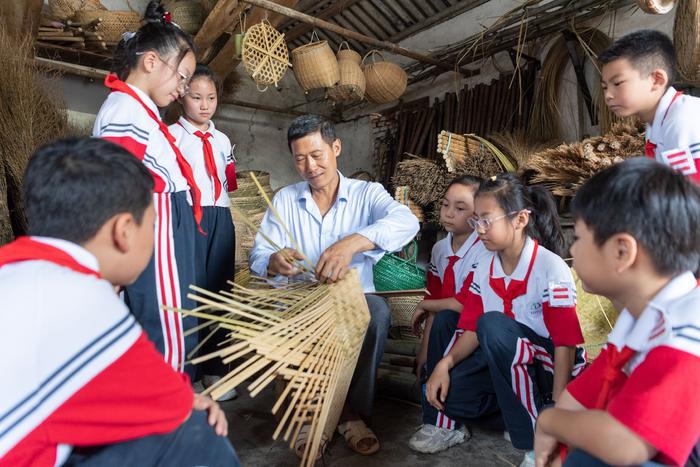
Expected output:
{"points": [[124, 121], [549, 305], [77, 368], [192, 148], [657, 398], [469, 255], [673, 138]]}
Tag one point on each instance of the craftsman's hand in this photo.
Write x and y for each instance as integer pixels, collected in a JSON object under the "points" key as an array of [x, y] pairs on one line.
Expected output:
{"points": [[546, 448], [438, 385], [334, 262], [419, 315], [216, 418], [282, 263]]}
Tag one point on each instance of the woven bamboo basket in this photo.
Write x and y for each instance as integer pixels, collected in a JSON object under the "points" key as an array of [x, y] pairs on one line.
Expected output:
{"points": [[114, 22], [188, 14], [264, 54], [243, 177], [402, 309], [249, 203], [351, 87], [315, 65], [385, 81], [656, 7], [66, 9], [686, 39]]}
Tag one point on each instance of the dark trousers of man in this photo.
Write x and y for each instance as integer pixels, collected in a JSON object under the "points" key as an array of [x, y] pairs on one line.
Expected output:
{"points": [[580, 458], [194, 443], [511, 370], [363, 385]]}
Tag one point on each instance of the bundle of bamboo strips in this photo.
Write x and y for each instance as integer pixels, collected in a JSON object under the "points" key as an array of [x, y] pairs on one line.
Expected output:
{"points": [[454, 148], [73, 34], [307, 334], [426, 180], [402, 195], [565, 168]]}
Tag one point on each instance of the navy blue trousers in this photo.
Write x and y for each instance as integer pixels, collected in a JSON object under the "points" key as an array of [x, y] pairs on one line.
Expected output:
{"points": [[166, 281], [194, 443], [215, 258], [511, 371], [580, 458]]}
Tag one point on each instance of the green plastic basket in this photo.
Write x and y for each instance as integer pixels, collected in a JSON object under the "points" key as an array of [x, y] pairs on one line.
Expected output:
{"points": [[399, 272]]}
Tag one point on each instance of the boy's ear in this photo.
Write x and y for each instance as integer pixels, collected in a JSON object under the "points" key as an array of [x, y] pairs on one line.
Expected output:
{"points": [[659, 79], [625, 250], [122, 231]]}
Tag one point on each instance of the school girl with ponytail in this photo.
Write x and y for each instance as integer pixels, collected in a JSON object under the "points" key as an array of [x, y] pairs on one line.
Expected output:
{"points": [[514, 350], [151, 69]]}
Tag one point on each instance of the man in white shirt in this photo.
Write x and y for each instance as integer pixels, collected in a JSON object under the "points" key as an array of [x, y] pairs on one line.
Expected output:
{"points": [[339, 223]]}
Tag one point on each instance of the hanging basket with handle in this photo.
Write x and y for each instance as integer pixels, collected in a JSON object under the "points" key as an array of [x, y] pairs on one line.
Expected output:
{"points": [[395, 272], [351, 87], [386, 81], [315, 65]]}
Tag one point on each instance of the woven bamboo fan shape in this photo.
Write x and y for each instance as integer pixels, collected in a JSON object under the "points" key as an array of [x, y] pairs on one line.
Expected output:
{"points": [[686, 39], [385, 81], [315, 65], [265, 54], [656, 7], [308, 335], [351, 87]]}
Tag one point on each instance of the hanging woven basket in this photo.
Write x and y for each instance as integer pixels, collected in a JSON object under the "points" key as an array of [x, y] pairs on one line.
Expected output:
{"points": [[656, 7], [188, 14], [66, 9], [315, 65], [114, 22], [265, 54], [686, 39], [351, 87], [386, 81]]}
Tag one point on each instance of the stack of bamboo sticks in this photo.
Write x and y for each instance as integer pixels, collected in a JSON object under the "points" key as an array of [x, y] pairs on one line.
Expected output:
{"points": [[73, 34], [454, 148]]}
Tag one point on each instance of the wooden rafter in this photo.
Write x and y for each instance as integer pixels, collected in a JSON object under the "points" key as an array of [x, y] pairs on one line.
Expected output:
{"points": [[333, 10]]}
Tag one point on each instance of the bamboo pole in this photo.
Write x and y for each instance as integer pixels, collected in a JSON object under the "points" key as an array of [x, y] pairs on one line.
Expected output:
{"points": [[347, 33]]}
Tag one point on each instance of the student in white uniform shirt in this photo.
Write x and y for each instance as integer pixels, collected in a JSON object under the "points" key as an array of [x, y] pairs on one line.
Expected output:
{"points": [[515, 349], [209, 153], [637, 73], [340, 223]]}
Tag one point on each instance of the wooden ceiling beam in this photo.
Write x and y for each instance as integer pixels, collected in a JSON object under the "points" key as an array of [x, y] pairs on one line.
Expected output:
{"points": [[456, 9], [333, 10]]}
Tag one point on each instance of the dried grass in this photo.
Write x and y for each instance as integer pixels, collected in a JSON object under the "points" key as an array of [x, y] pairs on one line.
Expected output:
{"points": [[518, 146], [31, 114], [427, 180]]}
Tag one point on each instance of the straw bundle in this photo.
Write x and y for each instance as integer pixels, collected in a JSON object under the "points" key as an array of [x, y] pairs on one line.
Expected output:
{"points": [[425, 179], [565, 168], [518, 146], [31, 114], [308, 335], [686, 40], [596, 315]]}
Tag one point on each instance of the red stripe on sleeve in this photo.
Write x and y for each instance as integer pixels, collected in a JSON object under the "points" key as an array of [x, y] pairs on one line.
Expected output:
{"points": [[130, 144]]}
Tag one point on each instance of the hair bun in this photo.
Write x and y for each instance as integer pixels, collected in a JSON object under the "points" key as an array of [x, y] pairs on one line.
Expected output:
{"points": [[155, 13]]}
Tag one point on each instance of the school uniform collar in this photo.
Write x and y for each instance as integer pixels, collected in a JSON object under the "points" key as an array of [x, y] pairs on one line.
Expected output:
{"points": [[144, 97], [191, 129], [77, 252], [304, 191], [523, 263], [466, 246], [653, 325], [655, 127]]}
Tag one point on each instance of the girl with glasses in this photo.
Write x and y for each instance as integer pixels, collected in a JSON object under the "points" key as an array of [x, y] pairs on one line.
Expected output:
{"points": [[150, 70], [514, 350]]}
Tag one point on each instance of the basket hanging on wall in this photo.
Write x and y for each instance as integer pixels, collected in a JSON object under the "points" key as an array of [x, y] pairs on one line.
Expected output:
{"points": [[65, 9], [686, 39], [113, 23], [315, 65], [385, 81], [351, 87], [188, 14], [656, 7], [265, 54]]}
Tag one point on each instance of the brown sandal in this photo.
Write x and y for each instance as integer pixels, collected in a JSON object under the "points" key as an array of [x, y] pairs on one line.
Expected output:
{"points": [[355, 431]]}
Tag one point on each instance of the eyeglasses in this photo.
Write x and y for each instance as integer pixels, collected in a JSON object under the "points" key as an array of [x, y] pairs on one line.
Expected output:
{"points": [[484, 224], [183, 85]]}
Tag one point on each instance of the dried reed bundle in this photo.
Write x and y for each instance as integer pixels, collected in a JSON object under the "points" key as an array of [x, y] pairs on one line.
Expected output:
{"points": [[596, 315], [31, 114], [565, 168], [426, 179], [481, 163], [307, 334], [518, 146]]}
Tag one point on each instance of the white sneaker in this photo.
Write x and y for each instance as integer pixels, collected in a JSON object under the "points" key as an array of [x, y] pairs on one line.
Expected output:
{"points": [[528, 460], [506, 436], [430, 439], [210, 380]]}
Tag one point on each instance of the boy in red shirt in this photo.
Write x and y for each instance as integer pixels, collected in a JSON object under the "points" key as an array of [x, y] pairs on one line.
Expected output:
{"points": [[83, 384], [637, 241]]}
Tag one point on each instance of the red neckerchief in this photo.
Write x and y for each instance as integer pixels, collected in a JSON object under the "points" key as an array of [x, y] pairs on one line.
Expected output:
{"points": [[649, 147], [28, 249], [209, 162], [515, 288], [448, 283], [115, 84]]}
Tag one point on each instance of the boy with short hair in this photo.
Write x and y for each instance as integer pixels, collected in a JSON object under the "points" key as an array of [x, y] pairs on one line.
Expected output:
{"points": [[637, 240], [82, 383], [637, 73]]}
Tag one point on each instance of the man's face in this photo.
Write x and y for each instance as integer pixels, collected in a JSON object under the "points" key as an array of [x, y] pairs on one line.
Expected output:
{"points": [[315, 159]]}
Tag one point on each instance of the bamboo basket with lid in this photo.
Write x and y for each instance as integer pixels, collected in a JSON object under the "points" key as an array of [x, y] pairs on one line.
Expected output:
{"points": [[315, 66], [385, 81]]}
